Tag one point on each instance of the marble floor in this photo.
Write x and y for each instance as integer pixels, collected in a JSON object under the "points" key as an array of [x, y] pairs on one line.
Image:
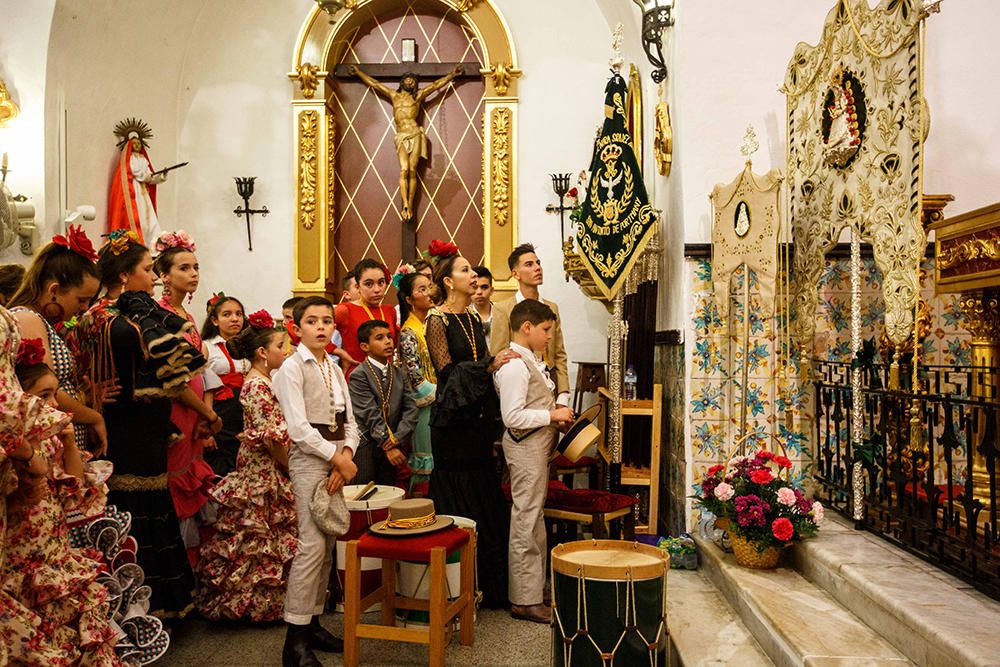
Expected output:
{"points": [[500, 641]]}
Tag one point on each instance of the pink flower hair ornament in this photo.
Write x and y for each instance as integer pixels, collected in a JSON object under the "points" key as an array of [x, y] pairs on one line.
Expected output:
{"points": [[178, 239]]}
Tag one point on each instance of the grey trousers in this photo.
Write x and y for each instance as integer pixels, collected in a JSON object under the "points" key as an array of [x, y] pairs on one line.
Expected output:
{"points": [[309, 575], [528, 462]]}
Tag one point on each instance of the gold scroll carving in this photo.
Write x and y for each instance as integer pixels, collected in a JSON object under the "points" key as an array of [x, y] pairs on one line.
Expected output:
{"points": [[500, 119], [331, 176], [308, 76], [308, 126], [502, 75], [969, 251]]}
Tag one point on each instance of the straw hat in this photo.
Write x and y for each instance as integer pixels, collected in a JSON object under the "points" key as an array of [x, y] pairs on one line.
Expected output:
{"points": [[581, 435], [411, 517]]}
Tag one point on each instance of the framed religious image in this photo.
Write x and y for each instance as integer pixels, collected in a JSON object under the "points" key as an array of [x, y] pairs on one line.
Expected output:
{"points": [[409, 54], [741, 219]]}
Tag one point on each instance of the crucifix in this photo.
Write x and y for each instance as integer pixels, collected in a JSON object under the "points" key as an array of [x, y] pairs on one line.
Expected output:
{"points": [[411, 140]]}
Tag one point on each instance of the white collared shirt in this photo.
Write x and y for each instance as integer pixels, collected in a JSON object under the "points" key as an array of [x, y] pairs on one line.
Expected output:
{"points": [[305, 400], [563, 398], [511, 381]]}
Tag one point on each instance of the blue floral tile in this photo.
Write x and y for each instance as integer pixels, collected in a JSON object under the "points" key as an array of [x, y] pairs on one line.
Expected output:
{"points": [[707, 398], [707, 357], [708, 438]]}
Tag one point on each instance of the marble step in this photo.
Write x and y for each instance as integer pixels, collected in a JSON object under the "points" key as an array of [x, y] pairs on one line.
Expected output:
{"points": [[935, 619], [704, 629], [796, 622]]}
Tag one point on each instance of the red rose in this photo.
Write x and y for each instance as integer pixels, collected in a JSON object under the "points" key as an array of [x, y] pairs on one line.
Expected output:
{"points": [[77, 241], [714, 469], [261, 320], [31, 352], [782, 529], [783, 461], [572, 192], [761, 476]]}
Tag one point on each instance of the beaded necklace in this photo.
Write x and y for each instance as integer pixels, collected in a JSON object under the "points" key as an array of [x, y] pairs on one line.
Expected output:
{"points": [[326, 370]]}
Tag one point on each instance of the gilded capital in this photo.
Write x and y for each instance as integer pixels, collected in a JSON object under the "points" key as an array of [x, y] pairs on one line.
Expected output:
{"points": [[502, 75], [308, 76], [982, 315]]}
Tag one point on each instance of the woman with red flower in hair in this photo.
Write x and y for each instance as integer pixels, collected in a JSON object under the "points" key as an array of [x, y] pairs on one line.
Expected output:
{"points": [[244, 566], [59, 285], [373, 279]]}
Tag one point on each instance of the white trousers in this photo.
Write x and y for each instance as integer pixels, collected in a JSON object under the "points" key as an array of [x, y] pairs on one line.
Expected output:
{"points": [[309, 575], [528, 462]]}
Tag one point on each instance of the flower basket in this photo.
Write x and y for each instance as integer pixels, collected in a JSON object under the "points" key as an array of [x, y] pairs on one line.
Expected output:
{"points": [[747, 555], [759, 506]]}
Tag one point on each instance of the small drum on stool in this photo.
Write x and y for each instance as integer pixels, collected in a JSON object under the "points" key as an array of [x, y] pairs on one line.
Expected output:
{"points": [[364, 513], [414, 580], [609, 604]]}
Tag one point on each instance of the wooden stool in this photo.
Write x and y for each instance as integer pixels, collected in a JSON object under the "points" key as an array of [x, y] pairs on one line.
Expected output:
{"points": [[432, 548], [607, 514]]}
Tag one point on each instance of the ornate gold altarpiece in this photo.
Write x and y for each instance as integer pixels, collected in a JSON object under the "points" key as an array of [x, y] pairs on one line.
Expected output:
{"points": [[862, 81], [318, 50]]}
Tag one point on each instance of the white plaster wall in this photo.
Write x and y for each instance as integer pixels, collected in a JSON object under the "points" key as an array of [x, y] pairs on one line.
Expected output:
{"points": [[210, 80], [23, 50]]}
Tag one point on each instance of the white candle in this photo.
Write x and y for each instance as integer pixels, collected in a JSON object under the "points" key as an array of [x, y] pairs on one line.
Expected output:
{"points": [[4, 165]]}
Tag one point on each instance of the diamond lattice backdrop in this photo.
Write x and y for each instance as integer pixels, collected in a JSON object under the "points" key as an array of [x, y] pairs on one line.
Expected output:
{"points": [[450, 195]]}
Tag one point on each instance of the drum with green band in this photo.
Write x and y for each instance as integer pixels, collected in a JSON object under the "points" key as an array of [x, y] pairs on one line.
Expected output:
{"points": [[609, 604]]}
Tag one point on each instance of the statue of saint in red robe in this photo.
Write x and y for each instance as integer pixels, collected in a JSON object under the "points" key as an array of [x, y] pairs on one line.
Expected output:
{"points": [[132, 198]]}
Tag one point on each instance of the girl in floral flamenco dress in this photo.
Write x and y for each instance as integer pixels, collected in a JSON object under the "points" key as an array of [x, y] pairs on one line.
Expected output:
{"points": [[63, 585], [244, 566]]}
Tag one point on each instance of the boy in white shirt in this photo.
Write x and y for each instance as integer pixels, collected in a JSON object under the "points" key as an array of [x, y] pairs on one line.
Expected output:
{"points": [[528, 407], [314, 398]]}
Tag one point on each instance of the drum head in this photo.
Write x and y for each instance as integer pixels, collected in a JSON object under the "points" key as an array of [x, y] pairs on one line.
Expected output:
{"points": [[383, 497], [610, 560]]}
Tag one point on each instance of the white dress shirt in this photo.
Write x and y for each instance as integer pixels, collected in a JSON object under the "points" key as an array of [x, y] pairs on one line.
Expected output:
{"points": [[512, 385], [563, 398], [219, 362], [305, 400]]}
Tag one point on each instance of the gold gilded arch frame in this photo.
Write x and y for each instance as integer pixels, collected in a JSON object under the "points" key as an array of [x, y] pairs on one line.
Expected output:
{"points": [[318, 49]]}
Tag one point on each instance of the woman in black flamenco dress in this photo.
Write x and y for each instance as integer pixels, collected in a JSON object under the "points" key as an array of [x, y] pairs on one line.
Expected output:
{"points": [[465, 423]]}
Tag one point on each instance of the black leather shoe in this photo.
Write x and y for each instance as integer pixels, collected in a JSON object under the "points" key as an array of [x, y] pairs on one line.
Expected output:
{"points": [[296, 652], [322, 639]]}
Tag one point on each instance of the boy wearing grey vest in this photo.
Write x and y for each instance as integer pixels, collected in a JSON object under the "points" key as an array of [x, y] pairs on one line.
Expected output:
{"points": [[314, 398], [528, 407]]}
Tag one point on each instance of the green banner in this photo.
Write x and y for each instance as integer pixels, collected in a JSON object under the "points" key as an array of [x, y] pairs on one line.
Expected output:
{"points": [[616, 219]]}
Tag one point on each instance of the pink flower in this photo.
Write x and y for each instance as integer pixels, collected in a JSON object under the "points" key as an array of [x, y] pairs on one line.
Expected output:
{"points": [[761, 476], [724, 491], [818, 513], [782, 529], [786, 496], [178, 239]]}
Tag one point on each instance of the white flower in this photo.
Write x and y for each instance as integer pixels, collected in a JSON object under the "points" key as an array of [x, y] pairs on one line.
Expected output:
{"points": [[786, 496], [818, 513], [724, 491]]}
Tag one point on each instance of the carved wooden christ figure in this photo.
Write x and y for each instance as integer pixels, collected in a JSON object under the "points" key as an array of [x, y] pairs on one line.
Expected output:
{"points": [[411, 141]]}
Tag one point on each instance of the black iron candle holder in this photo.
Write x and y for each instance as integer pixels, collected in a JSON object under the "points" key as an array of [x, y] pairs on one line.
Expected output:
{"points": [[244, 188], [560, 185]]}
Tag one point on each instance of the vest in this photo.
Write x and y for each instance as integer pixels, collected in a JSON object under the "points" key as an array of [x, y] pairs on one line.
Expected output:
{"points": [[322, 407], [539, 397]]}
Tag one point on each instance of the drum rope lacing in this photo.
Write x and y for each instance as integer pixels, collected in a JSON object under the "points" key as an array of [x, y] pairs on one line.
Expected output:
{"points": [[608, 658]]}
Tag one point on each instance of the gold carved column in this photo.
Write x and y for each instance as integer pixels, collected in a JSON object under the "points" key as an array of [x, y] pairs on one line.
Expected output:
{"points": [[982, 320], [500, 171], [311, 130]]}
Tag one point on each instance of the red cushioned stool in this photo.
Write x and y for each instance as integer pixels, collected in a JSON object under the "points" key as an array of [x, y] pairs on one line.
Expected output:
{"points": [[432, 548], [603, 511]]}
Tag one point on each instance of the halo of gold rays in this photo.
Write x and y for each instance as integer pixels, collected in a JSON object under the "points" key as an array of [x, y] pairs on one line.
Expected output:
{"points": [[129, 125]]}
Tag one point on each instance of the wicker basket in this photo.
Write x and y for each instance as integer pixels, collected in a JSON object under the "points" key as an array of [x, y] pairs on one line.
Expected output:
{"points": [[748, 556]]}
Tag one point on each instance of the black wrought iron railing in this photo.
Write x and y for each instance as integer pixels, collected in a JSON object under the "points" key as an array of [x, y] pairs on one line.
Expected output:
{"points": [[928, 459]]}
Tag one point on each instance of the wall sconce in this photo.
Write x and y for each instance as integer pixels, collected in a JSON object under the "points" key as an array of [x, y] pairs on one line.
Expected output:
{"points": [[560, 185], [244, 188], [8, 109], [656, 17]]}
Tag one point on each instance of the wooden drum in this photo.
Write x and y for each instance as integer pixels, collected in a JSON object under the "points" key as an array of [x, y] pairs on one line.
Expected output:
{"points": [[609, 604], [364, 513]]}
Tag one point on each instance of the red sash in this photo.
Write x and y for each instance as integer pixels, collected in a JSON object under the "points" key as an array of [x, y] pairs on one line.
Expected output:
{"points": [[231, 380]]}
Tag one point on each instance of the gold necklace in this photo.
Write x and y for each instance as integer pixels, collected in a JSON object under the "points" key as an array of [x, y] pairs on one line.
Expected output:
{"points": [[469, 334], [326, 370], [384, 394]]}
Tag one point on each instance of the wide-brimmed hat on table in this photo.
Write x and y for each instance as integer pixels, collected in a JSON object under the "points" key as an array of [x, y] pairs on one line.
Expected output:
{"points": [[581, 435], [407, 518]]}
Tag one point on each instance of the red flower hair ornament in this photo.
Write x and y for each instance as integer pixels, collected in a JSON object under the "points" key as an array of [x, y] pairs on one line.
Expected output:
{"points": [[441, 249], [261, 320], [31, 352], [77, 241]]}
